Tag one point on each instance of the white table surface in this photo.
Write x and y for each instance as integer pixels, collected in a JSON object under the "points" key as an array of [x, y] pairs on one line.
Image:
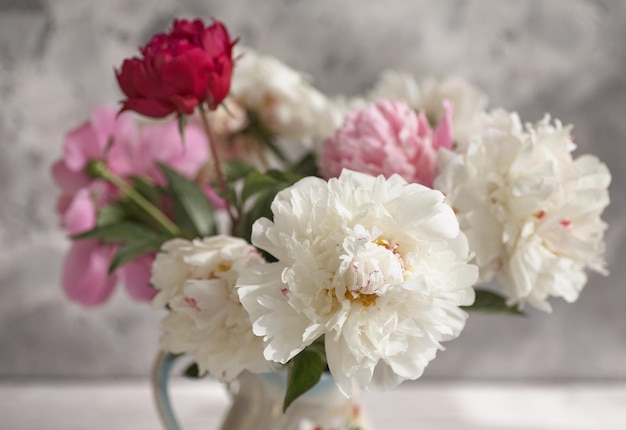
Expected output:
{"points": [[120, 405]]}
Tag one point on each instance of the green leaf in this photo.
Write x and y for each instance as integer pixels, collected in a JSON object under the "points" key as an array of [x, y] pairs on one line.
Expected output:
{"points": [[256, 182], [284, 176], [111, 214], [192, 371], [264, 187], [306, 166], [122, 231], [232, 196], [133, 249], [148, 189], [491, 302], [260, 209], [236, 169], [182, 122], [192, 209], [305, 371]]}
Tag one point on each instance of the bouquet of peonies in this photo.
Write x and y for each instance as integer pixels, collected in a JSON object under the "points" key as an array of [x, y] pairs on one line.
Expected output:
{"points": [[280, 226]]}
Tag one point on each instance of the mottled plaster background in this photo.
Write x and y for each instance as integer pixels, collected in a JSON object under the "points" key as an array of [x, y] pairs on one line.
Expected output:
{"points": [[567, 57]]}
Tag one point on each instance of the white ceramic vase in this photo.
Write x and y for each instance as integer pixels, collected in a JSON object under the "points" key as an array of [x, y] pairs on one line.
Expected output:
{"points": [[258, 401]]}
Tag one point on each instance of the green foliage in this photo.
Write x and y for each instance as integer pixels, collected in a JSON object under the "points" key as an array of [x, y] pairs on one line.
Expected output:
{"points": [[260, 209], [235, 170], [111, 214], [130, 225], [133, 249], [193, 212], [135, 240], [306, 166], [182, 122], [305, 370], [260, 189], [491, 302], [255, 182], [121, 231], [152, 192], [193, 371]]}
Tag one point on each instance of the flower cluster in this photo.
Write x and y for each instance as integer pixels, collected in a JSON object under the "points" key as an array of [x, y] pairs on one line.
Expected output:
{"points": [[530, 210], [292, 228], [128, 149]]}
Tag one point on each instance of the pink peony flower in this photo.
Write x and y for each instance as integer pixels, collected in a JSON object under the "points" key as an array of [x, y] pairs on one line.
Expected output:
{"points": [[127, 149], [161, 143], [103, 137], [386, 138]]}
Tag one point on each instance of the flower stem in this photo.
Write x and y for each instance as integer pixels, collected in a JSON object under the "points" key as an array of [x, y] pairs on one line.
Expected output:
{"points": [[216, 162], [100, 170]]}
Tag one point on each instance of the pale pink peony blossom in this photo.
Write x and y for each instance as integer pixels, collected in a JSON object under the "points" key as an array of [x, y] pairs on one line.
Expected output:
{"points": [[128, 149], [387, 138]]}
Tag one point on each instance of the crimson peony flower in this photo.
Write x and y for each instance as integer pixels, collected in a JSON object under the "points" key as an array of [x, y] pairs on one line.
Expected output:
{"points": [[189, 65]]}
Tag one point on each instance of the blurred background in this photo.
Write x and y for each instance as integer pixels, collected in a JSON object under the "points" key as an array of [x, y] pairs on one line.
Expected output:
{"points": [[566, 57]]}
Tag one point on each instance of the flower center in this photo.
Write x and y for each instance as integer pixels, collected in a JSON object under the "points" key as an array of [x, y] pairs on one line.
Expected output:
{"points": [[375, 265], [366, 300], [224, 266]]}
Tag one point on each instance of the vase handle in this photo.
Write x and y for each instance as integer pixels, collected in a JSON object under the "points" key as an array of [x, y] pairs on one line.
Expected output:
{"points": [[161, 368]]}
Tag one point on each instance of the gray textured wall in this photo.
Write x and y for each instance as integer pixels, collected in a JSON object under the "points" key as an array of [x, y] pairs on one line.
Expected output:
{"points": [[567, 57]]}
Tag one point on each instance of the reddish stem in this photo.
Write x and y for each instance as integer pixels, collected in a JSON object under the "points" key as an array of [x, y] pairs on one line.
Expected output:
{"points": [[216, 161]]}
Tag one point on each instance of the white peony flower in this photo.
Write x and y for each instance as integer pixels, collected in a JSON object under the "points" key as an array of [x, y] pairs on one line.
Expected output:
{"points": [[197, 280], [377, 266], [531, 211], [469, 102], [282, 98]]}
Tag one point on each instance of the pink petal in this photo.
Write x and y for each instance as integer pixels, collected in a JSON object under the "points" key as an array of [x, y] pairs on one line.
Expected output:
{"points": [[84, 278], [136, 275], [162, 143], [104, 123], [80, 146], [442, 137], [80, 214], [424, 129], [69, 181]]}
